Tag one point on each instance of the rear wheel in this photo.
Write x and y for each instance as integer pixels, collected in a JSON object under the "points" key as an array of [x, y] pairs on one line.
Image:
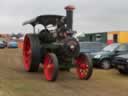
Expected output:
{"points": [[84, 66], [51, 67], [31, 53]]}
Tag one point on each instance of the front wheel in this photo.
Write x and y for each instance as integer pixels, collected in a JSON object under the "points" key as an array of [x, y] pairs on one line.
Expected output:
{"points": [[125, 72], [51, 67], [84, 66]]}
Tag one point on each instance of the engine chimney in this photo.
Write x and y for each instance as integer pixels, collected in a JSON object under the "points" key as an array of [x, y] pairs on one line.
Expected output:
{"points": [[69, 16]]}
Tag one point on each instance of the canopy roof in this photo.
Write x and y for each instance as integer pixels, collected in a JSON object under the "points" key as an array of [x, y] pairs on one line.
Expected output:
{"points": [[45, 20]]}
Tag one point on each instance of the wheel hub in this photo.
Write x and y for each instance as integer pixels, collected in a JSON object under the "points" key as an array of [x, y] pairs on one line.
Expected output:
{"points": [[50, 66]]}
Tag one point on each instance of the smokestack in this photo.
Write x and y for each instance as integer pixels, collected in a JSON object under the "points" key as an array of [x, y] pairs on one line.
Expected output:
{"points": [[69, 16]]}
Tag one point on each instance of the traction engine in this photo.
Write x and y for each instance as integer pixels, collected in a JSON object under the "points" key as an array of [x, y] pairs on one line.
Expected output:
{"points": [[55, 49]]}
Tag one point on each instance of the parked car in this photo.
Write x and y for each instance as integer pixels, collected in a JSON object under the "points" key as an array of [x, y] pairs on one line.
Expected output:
{"points": [[12, 44], [2, 45], [120, 62], [103, 59], [5, 43], [91, 47]]}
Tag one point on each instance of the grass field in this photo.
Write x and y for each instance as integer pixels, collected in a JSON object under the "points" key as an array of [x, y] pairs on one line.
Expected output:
{"points": [[14, 81]]}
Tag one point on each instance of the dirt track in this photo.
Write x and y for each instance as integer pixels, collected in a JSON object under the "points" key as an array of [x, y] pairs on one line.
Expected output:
{"points": [[14, 81]]}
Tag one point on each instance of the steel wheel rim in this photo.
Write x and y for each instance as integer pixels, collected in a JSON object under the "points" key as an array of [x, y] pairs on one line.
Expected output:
{"points": [[82, 66], [27, 53], [49, 67], [105, 64]]}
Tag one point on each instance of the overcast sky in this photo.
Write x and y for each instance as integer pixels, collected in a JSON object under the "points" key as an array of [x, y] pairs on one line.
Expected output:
{"points": [[89, 16]]}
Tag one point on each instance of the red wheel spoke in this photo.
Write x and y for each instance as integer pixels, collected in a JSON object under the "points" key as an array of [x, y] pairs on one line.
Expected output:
{"points": [[29, 52]]}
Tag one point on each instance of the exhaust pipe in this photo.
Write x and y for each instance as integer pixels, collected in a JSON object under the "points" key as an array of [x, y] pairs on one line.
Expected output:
{"points": [[69, 16]]}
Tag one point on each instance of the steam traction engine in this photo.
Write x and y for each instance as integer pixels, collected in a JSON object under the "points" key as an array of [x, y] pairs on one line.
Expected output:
{"points": [[55, 49]]}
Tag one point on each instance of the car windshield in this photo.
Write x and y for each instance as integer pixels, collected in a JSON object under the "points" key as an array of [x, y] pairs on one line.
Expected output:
{"points": [[91, 46], [123, 47], [111, 47]]}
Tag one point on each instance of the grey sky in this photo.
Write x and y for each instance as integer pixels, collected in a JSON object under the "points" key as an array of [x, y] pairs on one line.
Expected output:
{"points": [[89, 16]]}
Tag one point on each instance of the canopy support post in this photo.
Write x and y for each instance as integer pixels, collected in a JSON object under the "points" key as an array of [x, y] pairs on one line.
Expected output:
{"points": [[34, 30]]}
